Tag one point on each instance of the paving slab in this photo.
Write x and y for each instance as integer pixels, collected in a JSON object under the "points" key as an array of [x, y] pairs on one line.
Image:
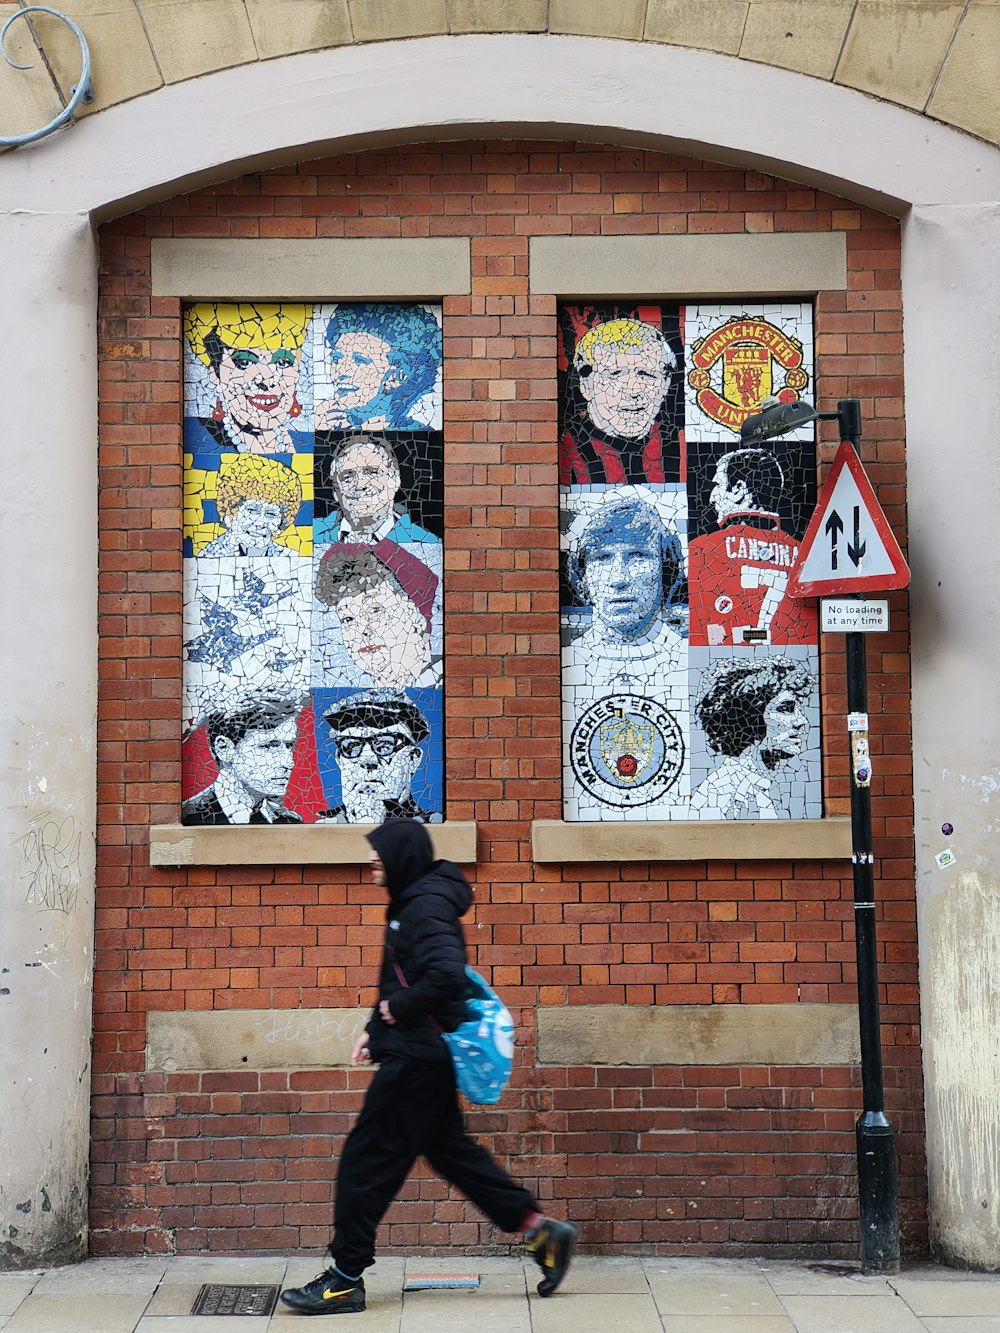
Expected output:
{"points": [[962, 1324], [68, 1313], [694, 1323], [391, 1268], [635, 1295], [204, 1268], [950, 1297], [790, 1278], [851, 1314], [928, 1272], [509, 1283], [566, 1313], [14, 1287], [381, 1316], [97, 1276], [711, 1287], [605, 1277], [200, 1324], [443, 1311], [461, 1263]]}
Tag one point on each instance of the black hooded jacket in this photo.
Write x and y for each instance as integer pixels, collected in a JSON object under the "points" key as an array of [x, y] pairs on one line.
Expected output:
{"points": [[423, 944]]}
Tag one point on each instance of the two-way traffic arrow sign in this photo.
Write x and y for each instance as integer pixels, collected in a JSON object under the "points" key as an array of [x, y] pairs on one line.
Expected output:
{"points": [[848, 546]]}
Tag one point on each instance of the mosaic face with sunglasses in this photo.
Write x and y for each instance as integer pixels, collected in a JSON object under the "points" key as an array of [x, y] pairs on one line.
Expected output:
{"points": [[377, 737]]}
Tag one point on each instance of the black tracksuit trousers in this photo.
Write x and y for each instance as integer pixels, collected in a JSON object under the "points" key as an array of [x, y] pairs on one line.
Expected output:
{"points": [[411, 1110]]}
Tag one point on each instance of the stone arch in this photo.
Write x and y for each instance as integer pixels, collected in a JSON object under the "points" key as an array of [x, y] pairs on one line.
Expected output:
{"points": [[943, 184], [933, 62]]}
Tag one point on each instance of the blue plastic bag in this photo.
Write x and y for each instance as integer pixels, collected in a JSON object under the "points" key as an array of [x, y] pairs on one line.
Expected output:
{"points": [[482, 1048]]}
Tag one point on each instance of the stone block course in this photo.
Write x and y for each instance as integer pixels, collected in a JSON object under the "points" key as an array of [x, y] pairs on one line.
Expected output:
{"points": [[379, 20], [709, 25], [896, 50], [965, 93], [122, 61], [807, 40], [937, 59], [192, 37], [281, 27]]}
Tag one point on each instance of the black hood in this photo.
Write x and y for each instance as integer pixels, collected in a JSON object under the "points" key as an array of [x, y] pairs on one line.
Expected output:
{"points": [[405, 849], [446, 881]]}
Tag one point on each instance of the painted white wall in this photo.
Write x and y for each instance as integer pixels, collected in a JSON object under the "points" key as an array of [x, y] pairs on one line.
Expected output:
{"points": [[48, 683], [952, 288], [621, 92]]}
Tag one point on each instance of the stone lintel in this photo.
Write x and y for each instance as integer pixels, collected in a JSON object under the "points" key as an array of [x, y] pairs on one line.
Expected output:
{"points": [[312, 269], [754, 265], [291, 844]]}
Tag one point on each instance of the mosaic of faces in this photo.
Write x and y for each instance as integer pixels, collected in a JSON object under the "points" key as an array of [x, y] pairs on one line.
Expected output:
{"points": [[690, 678], [313, 523]]}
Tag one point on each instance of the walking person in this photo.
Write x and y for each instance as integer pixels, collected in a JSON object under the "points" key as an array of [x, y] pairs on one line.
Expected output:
{"points": [[411, 1108]]}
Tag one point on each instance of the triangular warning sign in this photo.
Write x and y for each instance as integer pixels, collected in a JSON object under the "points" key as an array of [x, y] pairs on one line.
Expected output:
{"points": [[848, 546]]}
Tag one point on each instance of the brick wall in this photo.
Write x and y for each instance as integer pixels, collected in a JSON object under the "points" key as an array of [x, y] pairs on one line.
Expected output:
{"points": [[679, 1159]]}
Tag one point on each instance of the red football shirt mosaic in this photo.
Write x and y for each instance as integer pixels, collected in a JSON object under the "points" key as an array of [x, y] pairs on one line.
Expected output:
{"points": [[690, 677], [313, 561]]}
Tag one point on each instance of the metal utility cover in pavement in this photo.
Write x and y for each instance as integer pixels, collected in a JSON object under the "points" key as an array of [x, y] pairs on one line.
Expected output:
{"points": [[222, 1298]]}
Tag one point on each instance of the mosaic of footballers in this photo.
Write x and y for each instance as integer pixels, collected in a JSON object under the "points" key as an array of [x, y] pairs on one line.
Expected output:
{"points": [[756, 718], [739, 572], [621, 395], [690, 679]]}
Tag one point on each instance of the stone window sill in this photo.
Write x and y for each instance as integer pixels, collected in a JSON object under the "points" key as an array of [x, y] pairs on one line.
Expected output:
{"points": [[291, 844], [725, 840]]}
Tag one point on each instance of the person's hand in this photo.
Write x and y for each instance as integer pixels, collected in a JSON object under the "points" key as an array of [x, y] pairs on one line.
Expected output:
{"points": [[331, 416], [360, 1053], [384, 1014]]}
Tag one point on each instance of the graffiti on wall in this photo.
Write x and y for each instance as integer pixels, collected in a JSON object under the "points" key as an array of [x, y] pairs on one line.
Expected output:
{"points": [[313, 527], [690, 680]]}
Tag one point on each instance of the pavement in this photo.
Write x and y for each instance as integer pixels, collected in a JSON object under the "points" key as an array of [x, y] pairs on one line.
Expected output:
{"points": [[599, 1295]]}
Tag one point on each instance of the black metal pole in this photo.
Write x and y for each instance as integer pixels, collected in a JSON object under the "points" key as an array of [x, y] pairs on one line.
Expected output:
{"points": [[877, 1198]]}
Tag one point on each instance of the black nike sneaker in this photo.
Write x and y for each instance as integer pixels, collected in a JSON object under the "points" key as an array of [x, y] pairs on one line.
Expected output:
{"points": [[551, 1245], [329, 1293]]}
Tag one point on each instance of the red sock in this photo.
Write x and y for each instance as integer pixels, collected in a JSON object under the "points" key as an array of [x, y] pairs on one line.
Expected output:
{"points": [[530, 1222]]}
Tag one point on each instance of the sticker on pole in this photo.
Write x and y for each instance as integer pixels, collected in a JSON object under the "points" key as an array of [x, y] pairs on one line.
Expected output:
{"points": [[848, 546]]}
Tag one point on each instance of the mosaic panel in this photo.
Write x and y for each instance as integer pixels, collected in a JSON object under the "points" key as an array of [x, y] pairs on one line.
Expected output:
{"points": [[313, 526], [690, 680], [735, 356]]}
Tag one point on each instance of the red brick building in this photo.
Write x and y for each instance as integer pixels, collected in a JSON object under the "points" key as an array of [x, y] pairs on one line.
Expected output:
{"points": [[181, 1000], [700, 1157]]}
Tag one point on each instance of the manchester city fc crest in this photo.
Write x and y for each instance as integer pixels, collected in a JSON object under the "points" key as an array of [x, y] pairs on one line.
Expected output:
{"points": [[627, 751]]}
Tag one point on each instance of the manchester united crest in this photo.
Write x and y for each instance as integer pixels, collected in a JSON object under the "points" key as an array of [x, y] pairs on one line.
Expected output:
{"points": [[739, 363], [627, 751]]}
